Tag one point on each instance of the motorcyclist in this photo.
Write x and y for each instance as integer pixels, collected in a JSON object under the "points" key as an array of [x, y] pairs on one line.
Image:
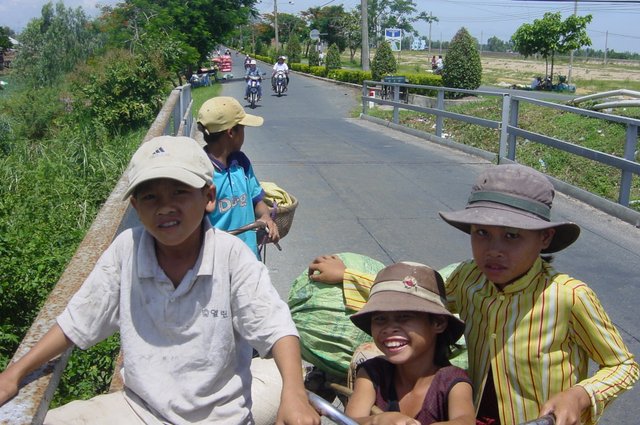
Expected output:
{"points": [[247, 62], [280, 65], [254, 71]]}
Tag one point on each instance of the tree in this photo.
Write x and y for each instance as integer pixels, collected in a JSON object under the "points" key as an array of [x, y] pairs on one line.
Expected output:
{"points": [[551, 35], [329, 21], [462, 67], [5, 43], [294, 50], [53, 44], [384, 63], [352, 31], [428, 19], [197, 25], [494, 44], [333, 58], [384, 14], [314, 57]]}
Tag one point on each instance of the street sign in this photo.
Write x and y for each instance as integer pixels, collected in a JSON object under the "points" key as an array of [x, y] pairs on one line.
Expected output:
{"points": [[314, 35], [394, 37]]}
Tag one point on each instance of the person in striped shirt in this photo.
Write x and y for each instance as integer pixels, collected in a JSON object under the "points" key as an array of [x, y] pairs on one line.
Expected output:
{"points": [[530, 330]]}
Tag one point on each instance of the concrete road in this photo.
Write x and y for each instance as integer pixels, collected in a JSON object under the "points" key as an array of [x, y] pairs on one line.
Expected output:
{"points": [[367, 189]]}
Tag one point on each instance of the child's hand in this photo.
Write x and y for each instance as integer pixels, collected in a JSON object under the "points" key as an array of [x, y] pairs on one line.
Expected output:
{"points": [[327, 269], [272, 228], [392, 418], [296, 410], [567, 406]]}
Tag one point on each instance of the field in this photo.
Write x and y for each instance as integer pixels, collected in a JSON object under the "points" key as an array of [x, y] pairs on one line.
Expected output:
{"points": [[590, 76]]}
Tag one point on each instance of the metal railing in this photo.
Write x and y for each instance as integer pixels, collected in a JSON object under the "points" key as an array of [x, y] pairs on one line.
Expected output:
{"points": [[32, 402], [509, 131]]}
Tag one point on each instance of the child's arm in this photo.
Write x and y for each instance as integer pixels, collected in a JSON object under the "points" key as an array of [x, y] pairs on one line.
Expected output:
{"points": [[263, 213], [460, 405], [294, 403], [52, 344], [598, 336], [330, 269]]}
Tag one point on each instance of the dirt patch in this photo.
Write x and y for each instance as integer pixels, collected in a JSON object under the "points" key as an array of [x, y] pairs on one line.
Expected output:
{"points": [[581, 70]]}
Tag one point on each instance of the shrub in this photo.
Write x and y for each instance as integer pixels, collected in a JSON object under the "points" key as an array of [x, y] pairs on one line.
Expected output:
{"points": [[318, 71], [383, 62], [120, 90], [333, 58], [462, 67], [349, 76], [293, 49], [424, 80], [314, 57]]}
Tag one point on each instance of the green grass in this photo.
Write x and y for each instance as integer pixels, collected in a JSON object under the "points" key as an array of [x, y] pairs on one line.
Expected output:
{"points": [[202, 94], [596, 134]]}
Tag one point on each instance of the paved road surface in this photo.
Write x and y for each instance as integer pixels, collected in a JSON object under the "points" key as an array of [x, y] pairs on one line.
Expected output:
{"points": [[367, 189]]}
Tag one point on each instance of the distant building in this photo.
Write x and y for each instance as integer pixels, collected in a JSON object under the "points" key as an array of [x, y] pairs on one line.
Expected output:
{"points": [[419, 44]]}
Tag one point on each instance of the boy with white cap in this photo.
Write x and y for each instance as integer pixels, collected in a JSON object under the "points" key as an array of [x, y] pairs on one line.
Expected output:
{"points": [[190, 303], [240, 197]]}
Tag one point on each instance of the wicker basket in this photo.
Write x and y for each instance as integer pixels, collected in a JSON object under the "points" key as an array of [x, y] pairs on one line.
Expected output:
{"points": [[284, 215]]}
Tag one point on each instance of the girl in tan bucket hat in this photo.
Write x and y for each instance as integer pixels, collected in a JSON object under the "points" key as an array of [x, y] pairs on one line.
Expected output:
{"points": [[413, 383]]}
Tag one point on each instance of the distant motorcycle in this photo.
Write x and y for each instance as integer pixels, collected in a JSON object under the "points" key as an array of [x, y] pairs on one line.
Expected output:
{"points": [[254, 82], [281, 83]]}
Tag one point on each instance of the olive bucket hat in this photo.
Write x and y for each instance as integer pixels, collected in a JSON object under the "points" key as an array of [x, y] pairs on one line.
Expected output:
{"points": [[513, 195], [408, 286]]}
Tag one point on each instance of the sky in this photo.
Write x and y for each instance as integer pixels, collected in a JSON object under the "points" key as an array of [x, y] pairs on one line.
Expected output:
{"points": [[614, 25]]}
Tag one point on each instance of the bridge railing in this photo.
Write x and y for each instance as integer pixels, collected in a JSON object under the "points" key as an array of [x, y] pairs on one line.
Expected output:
{"points": [[509, 131], [32, 402]]}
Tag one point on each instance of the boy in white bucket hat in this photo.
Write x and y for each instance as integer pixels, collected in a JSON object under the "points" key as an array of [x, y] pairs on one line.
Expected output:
{"points": [[190, 302]]}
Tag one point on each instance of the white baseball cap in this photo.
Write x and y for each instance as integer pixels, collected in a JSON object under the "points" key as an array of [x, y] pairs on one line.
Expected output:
{"points": [[176, 158]]}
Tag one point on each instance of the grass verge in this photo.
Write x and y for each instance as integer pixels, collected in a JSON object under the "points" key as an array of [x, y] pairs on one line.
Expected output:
{"points": [[596, 134]]}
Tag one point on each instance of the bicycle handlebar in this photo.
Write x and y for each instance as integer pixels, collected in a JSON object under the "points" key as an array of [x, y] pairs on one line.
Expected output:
{"points": [[256, 225], [549, 419], [251, 226]]}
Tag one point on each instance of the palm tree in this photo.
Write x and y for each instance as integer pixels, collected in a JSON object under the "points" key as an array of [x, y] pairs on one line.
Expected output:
{"points": [[429, 19]]}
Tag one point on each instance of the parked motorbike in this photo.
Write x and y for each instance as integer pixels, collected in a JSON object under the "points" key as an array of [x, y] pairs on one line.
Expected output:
{"points": [[254, 82], [281, 83]]}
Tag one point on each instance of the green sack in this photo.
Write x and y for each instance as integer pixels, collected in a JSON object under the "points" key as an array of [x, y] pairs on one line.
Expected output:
{"points": [[327, 337]]}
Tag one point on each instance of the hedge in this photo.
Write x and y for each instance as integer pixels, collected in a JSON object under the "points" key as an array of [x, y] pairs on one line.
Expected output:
{"points": [[357, 77]]}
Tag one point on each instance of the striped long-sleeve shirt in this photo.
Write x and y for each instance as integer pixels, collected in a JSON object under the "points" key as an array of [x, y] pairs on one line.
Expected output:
{"points": [[537, 336]]}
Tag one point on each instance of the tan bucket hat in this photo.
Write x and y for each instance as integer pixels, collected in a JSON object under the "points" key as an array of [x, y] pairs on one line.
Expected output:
{"points": [[513, 195], [408, 286]]}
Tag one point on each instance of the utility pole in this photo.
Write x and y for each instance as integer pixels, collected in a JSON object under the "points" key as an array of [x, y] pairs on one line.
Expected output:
{"points": [[575, 12], [275, 23], [430, 21], [364, 24], [606, 43]]}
